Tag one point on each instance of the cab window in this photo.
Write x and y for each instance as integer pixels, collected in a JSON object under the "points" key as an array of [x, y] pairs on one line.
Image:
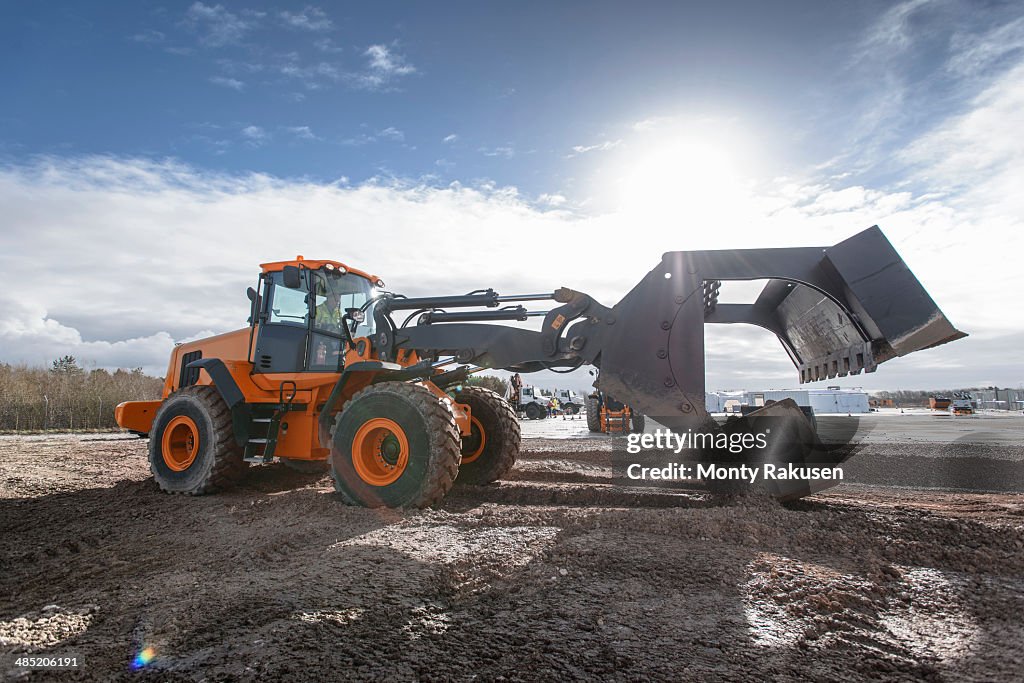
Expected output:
{"points": [[289, 306]]}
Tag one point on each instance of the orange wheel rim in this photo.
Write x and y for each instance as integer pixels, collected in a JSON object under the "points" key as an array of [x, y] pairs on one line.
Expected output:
{"points": [[380, 451], [180, 443], [477, 430]]}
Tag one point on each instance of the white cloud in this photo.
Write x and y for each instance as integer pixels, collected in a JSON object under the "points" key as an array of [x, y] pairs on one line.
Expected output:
{"points": [[309, 19], [225, 82], [255, 135], [600, 147], [981, 147], [651, 123], [450, 138], [30, 336], [385, 61], [302, 132], [188, 243], [383, 67], [391, 133], [552, 199], [507, 151], [973, 53], [311, 75], [217, 26], [892, 31], [920, 60]]}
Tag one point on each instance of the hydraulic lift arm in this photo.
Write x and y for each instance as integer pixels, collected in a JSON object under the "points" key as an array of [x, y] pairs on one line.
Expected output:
{"points": [[837, 311]]}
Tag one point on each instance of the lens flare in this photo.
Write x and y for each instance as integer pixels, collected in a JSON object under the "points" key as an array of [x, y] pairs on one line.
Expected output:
{"points": [[145, 656]]}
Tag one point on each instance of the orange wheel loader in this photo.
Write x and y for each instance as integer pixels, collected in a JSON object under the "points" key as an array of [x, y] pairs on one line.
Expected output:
{"points": [[326, 377], [605, 415]]}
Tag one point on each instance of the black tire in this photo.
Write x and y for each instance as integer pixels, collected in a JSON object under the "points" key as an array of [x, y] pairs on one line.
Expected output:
{"points": [[535, 412], [306, 466], [500, 437], [218, 460], [593, 415], [637, 422], [433, 446]]}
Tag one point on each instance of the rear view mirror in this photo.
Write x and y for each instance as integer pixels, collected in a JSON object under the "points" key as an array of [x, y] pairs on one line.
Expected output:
{"points": [[355, 314], [254, 303], [291, 278]]}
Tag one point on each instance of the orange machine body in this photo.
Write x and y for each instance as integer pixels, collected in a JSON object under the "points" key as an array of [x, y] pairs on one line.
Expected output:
{"points": [[298, 435]]}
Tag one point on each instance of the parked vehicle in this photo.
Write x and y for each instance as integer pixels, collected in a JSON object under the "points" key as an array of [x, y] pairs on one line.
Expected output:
{"points": [[962, 403], [570, 401], [533, 403]]}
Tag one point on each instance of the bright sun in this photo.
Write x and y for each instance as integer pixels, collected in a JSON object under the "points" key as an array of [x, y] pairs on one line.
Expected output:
{"points": [[683, 174]]}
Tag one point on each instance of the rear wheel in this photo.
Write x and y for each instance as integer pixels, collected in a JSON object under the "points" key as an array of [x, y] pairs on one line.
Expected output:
{"points": [[491, 449], [192, 447], [637, 421], [593, 414], [395, 445]]}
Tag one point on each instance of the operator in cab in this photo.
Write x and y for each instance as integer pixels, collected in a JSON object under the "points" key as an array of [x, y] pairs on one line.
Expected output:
{"points": [[327, 351]]}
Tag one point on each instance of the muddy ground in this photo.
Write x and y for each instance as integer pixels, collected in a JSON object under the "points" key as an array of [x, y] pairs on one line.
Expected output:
{"points": [[556, 574]]}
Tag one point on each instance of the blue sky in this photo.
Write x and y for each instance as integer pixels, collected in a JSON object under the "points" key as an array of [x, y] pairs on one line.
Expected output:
{"points": [[365, 89], [253, 131]]}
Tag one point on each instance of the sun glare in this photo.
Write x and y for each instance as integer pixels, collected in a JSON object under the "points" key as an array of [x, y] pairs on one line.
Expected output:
{"points": [[688, 175]]}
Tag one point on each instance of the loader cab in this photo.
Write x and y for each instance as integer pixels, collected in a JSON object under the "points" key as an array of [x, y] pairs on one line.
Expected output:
{"points": [[301, 312]]}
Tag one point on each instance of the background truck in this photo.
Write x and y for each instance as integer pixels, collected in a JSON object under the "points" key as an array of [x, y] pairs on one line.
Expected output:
{"points": [[325, 375], [532, 403], [962, 403], [569, 401]]}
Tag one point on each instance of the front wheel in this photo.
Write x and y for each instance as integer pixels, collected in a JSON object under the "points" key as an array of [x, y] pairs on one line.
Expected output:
{"points": [[535, 412], [395, 445], [192, 447], [491, 448]]}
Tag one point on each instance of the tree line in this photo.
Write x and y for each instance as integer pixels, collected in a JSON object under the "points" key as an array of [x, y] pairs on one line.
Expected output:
{"points": [[67, 396]]}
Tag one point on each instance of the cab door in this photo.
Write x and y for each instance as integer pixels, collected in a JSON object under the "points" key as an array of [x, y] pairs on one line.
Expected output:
{"points": [[283, 338]]}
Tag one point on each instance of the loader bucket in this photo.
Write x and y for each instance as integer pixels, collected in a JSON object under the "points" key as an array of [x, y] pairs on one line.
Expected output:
{"points": [[837, 311]]}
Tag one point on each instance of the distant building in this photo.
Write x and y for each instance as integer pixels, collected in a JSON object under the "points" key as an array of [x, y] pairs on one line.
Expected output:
{"points": [[821, 400], [999, 399], [723, 401]]}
